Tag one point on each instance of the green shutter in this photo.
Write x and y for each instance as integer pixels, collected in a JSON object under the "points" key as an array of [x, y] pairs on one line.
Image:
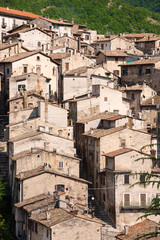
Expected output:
{"points": [[50, 89]]}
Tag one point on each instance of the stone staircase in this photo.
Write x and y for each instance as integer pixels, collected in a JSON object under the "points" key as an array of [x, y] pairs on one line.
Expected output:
{"points": [[108, 231]]}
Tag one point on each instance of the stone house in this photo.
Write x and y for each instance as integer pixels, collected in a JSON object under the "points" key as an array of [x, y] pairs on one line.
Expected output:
{"points": [[150, 45], [66, 41], [124, 203], [32, 38], [138, 36], [150, 109], [99, 141], [30, 82], [47, 181], [112, 60], [142, 71], [138, 94], [11, 18], [112, 43], [82, 226], [28, 62], [56, 219], [57, 27]]}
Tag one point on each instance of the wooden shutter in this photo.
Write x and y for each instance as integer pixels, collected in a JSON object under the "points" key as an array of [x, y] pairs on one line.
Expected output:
{"points": [[126, 199], [143, 199]]}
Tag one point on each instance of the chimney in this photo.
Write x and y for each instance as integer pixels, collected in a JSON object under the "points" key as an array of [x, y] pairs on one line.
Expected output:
{"points": [[7, 8], [48, 215], [25, 100], [91, 130], [152, 101], [89, 95], [126, 230], [19, 47]]}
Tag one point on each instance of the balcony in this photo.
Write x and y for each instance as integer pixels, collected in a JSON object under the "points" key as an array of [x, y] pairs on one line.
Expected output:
{"points": [[4, 25], [134, 206]]}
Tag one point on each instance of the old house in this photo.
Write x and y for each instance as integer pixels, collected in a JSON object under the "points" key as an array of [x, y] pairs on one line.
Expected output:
{"points": [[149, 45], [47, 181], [112, 60], [32, 38], [28, 62], [66, 41], [112, 43], [146, 70], [11, 18], [123, 203], [10, 49], [99, 141]]}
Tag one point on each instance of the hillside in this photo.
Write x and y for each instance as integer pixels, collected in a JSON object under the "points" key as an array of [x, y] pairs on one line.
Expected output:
{"points": [[106, 16], [153, 5]]}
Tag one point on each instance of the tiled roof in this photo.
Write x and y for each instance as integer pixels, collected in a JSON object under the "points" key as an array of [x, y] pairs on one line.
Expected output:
{"points": [[138, 35], [19, 56], [118, 152], [136, 87], [49, 200], [24, 136], [57, 216], [41, 170], [152, 60], [114, 117], [116, 53], [153, 101], [98, 133], [137, 230], [24, 154], [149, 39], [81, 98], [31, 200], [59, 22], [18, 13], [103, 115], [24, 30], [7, 45], [56, 56], [77, 71]]}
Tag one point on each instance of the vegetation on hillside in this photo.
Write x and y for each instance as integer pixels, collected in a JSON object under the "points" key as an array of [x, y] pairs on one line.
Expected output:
{"points": [[153, 5], [106, 16]]}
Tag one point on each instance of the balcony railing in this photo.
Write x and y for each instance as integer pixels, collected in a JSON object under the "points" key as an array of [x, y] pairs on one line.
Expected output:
{"points": [[134, 206]]}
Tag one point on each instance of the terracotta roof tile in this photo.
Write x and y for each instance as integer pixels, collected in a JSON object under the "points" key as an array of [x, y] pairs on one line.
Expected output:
{"points": [[19, 56], [98, 133], [116, 53], [56, 56], [19, 13], [114, 117], [30, 200], [143, 227], [149, 39], [118, 152]]}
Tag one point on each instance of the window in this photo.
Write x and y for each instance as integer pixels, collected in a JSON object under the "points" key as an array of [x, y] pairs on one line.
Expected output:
{"points": [[8, 71], [122, 142], [97, 157], [86, 37], [148, 71], [102, 46], [126, 179], [25, 68], [38, 69], [104, 197], [143, 199], [142, 178], [21, 87], [54, 26], [38, 57], [116, 72], [116, 59], [126, 199], [140, 71], [57, 27], [53, 71], [67, 66], [50, 89], [105, 99], [39, 44], [125, 72], [60, 188], [132, 96], [60, 165], [103, 181]]}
